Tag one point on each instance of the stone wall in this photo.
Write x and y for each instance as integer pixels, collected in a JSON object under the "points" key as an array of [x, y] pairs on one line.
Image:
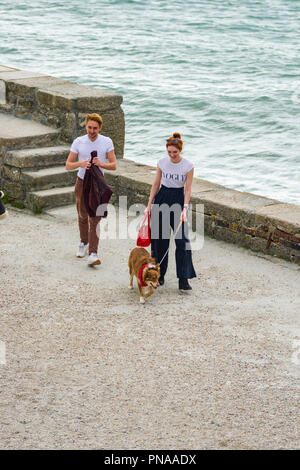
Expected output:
{"points": [[255, 222], [61, 104]]}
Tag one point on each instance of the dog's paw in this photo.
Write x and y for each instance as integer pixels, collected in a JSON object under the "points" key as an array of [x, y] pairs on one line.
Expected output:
{"points": [[130, 287], [142, 300]]}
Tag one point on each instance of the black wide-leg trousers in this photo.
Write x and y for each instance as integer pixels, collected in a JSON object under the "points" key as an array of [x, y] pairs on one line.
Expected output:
{"points": [[165, 214]]}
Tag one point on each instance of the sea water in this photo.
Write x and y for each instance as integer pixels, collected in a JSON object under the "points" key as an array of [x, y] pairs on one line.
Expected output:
{"points": [[224, 73]]}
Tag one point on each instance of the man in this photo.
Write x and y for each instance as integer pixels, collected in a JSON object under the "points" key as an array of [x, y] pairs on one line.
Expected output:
{"points": [[79, 157]]}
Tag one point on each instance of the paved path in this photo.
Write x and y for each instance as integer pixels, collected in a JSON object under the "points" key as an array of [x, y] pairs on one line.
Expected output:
{"points": [[87, 366]]}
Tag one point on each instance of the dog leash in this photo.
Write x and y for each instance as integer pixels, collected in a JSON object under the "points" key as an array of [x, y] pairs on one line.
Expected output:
{"points": [[179, 225]]}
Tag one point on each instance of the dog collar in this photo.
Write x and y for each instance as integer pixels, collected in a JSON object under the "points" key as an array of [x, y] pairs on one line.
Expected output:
{"points": [[142, 283]]}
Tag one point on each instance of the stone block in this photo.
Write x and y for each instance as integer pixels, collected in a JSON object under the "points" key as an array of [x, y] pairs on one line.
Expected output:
{"points": [[81, 123], [232, 205], [50, 198], [14, 190], [126, 183], [54, 100], [38, 157], [48, 178], [11, 173], [40, 82], [68, 126], [16, 133], [6, 108], [84, 98], [102, 101], [50, 119], [285, 217], [134, 198], [26, 87], [113, 127], [22, 113], [112, 180], [3, 68], [16, 74], [201, 186], [14, 92]]}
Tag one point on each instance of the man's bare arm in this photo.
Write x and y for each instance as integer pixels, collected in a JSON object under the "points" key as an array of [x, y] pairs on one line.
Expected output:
{"points": [[72, 164], [112, 161]]}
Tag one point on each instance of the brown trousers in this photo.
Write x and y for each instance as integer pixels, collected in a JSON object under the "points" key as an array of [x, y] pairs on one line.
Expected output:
{"points": [[87, 225]]}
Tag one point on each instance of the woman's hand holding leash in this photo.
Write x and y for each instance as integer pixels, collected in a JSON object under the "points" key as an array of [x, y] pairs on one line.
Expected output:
{"points": [[183, 216]]}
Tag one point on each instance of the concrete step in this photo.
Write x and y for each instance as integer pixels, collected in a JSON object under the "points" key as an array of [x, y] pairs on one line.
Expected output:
{"points": [[39, 200], [48, 178], [22, 133], [37, 157]]}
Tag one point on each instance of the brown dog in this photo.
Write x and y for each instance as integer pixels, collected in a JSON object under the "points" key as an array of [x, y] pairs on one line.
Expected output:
{"points": [[146, 271]]}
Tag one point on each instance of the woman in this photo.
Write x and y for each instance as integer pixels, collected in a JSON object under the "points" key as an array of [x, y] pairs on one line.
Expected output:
{"points": [[174, 177]]}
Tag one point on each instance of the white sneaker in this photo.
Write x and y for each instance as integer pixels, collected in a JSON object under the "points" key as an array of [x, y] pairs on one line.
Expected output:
{"points": [[93, 259], [82, 250]]}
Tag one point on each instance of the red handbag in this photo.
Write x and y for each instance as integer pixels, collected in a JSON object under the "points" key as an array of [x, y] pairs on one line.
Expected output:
{"points": [[144, 235]]}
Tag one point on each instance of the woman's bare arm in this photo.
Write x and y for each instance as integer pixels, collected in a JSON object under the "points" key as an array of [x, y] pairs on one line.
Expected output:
{"points": [[187, 193], [188, 186], [155, 188]]}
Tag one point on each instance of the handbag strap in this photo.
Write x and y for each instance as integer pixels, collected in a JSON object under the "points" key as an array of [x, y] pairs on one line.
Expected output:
{"points": [[144, 220]]}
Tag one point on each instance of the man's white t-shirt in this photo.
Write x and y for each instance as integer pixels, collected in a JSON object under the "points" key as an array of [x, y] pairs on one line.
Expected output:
{"points": [[174, 174], [83, 146]]}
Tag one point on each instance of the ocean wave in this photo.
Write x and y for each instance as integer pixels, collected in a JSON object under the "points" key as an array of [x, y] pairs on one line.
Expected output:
{"points": [[225, 74]]}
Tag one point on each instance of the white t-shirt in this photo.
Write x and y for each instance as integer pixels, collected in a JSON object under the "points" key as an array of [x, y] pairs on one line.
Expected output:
{"points": [[83, 146], [174, 174]]}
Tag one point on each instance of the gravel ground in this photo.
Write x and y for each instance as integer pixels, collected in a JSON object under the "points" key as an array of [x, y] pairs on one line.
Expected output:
{"points": [[88, 367]]}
